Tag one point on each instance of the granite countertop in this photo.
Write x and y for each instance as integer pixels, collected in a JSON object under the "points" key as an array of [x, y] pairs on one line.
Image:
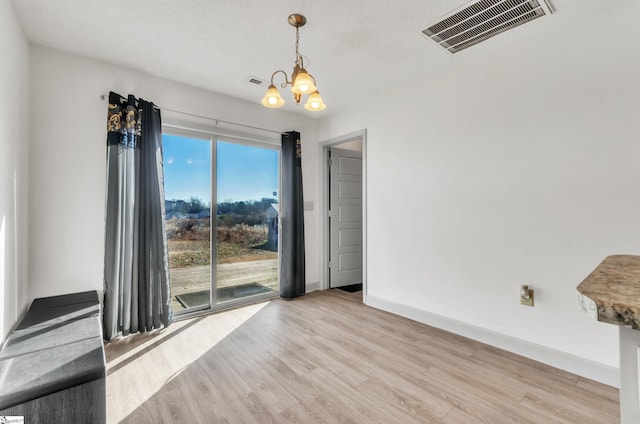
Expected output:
{"points": [[611, 293]]}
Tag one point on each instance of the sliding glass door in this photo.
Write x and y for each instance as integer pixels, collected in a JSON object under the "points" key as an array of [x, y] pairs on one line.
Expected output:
{"points": [[187, 181], [247, 221], [223, 252]]}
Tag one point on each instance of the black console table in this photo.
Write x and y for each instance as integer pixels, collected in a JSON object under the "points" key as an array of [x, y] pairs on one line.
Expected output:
{"points": [[52, 366]]}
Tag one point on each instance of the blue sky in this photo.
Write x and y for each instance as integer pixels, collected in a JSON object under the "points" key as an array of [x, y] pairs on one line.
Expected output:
{"points": [[243, 172]]}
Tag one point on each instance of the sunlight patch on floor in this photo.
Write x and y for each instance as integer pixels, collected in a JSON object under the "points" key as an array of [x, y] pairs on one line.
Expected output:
{"points": [[133, 362]]}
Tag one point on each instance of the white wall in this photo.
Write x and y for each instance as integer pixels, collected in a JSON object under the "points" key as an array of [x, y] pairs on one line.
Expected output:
{"points": [[503, 167], [507, 167], [68, 152], [14, 142]]}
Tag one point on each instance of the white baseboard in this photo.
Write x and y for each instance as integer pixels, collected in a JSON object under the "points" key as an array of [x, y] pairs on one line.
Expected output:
{"points": [[574, 364], [312, 287]]}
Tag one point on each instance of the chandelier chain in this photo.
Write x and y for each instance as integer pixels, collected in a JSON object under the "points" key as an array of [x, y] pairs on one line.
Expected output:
{"points": [[297, 44]]}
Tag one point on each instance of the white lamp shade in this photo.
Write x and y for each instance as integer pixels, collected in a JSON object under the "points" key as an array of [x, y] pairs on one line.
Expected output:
{"points": [[303, 83], [314, 102], [272, 98]]}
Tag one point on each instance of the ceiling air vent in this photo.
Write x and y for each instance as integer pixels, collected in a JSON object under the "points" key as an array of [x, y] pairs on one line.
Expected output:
{"points": [[256, 80], [480, 20]]}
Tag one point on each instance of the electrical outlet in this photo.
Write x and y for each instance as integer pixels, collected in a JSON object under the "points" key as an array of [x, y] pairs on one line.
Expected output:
{"points": [[526, 296]]}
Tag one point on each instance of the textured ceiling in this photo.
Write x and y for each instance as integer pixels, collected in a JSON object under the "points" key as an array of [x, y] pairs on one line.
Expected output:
{"points": [[351, 46]]}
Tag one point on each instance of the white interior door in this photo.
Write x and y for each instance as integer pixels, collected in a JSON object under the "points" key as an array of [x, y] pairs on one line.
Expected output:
{"points": [[345, 217]]}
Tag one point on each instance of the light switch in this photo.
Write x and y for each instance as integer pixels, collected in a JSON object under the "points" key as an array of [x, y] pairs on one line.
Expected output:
{"points": [[308, 206]]}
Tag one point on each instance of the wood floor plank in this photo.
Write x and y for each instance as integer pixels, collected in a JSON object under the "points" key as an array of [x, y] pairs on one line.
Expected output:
{"points": [[327, 358], [302, 414], [384, 393], [529, 370], [330, 413], [562, 410], [457, 416], [601, 390], [355, 404], [268, 390], [572, 401], [484, 403]]}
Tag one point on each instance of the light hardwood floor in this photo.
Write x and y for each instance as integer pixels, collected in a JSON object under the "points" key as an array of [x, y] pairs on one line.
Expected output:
{"points": [[327, 358]]}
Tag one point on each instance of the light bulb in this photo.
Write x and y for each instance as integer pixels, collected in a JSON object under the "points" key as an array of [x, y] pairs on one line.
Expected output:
{"points": [[315, 103], [303, 83], [272, 98]]}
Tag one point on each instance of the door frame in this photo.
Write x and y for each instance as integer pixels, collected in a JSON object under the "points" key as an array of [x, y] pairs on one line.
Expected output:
{"points": [[324, 206]]}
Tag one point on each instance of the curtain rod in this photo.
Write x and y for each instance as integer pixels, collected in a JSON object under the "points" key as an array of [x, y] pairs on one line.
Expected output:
{"points": [[216, 120]]}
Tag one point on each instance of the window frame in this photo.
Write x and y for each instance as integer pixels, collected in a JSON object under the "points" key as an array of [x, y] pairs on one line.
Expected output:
{"points": [[204, 132]]}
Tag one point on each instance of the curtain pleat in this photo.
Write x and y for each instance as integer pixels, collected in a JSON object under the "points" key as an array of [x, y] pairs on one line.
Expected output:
{"points": [[112, 288], [292, 262], [136, 273]]}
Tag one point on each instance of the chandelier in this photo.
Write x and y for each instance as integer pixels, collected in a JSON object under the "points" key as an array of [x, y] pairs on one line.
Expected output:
{"points": [[301, 81]]}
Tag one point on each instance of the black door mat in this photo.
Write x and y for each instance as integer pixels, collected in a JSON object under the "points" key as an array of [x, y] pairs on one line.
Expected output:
{"points": [[351, 288], [199, 298]]}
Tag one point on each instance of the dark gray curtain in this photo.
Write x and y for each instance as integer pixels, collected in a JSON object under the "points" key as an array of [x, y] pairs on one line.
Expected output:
{"points": [[136, 266], [292, 279]]}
